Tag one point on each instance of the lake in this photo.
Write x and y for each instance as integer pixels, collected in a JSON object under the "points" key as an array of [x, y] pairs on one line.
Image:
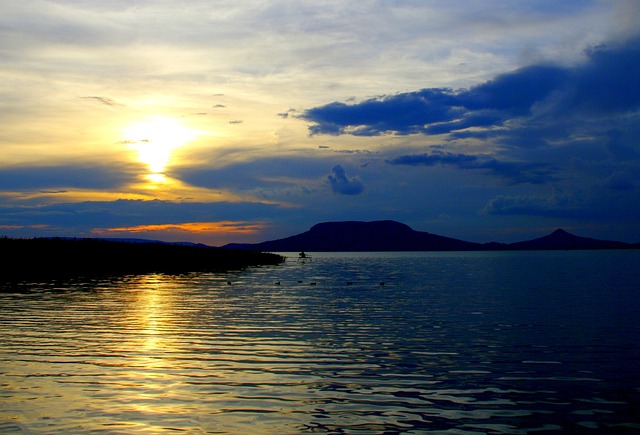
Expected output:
{"points": [[366, 343]]}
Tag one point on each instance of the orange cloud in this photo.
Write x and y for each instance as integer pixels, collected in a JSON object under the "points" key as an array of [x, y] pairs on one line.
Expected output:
{"points": [[224, 227]]}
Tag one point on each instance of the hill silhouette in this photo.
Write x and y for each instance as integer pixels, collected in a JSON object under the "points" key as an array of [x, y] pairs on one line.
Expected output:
{"points": [[390, 235], [560, 239], [361, 236]]}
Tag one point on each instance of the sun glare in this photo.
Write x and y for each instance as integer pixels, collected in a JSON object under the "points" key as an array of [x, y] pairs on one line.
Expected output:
{"points": [[155, 140]]}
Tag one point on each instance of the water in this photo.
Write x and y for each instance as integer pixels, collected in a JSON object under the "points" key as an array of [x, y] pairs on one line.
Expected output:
{"points": [[507, 342]]}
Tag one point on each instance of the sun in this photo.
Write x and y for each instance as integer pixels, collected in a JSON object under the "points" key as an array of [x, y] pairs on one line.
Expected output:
{"points": [[154, 141]]}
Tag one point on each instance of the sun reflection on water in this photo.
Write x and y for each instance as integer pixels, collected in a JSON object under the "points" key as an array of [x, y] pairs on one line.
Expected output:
{"points": [[154, 308]]}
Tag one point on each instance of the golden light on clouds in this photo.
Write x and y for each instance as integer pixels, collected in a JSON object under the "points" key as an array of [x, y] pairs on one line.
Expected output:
{"points": [[223, 227], [62, 196], [210, 233], [154, 141]]}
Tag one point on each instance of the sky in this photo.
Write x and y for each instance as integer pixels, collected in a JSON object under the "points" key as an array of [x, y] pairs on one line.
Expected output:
{"points": [[219, 121]]}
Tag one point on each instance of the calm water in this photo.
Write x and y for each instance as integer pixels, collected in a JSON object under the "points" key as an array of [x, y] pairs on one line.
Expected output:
{"points": [[513, 342]]}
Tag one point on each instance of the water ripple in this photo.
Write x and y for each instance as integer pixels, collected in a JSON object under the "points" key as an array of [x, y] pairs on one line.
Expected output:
{"points": [[448, 343]]}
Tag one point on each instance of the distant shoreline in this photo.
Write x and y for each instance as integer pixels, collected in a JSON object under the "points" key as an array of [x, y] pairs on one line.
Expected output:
{"points": [[52, 258], [357, 236]]}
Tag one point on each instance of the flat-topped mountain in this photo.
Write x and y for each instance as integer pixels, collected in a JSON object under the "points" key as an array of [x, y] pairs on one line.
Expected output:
{"points": [[361, 236], [390, 235]]}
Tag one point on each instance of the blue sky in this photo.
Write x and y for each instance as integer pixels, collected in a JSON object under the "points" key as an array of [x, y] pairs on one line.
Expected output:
{"points": [[244, 121]]}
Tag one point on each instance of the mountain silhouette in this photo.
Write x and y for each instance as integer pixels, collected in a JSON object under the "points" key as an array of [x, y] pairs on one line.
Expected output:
{"points": [[560, 239], [361, 236], [390, 235]]}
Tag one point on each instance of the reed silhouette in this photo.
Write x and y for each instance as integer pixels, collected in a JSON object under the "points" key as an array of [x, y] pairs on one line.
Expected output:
{"points": [[40, 258]]}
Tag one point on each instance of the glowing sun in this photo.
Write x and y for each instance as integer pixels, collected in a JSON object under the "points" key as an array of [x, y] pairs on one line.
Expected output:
{"points": [[154, 141]]}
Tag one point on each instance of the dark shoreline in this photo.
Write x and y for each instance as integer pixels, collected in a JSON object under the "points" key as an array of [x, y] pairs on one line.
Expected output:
{"points": [[58, 258]]}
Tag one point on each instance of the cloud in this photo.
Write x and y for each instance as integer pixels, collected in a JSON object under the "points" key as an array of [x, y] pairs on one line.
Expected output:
{"points": [[55, 177], [514, 172], [103, 100], [569, 127], [405, 113], [213, 223], [402, 77], [515, 93], [224, 227], [288, 113], [615, 204], [531, 205], [342, 184], [521, 172], [607, 82], [478, 118], [125, 212], [459, 160], [440, 110], [266, 172]]}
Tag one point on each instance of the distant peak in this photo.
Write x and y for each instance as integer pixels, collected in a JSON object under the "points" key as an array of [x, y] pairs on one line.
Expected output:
{"points": [[561, 234]]}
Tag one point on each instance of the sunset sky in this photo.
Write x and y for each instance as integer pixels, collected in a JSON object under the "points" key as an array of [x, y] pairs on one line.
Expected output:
{"points": [[221, 121]]}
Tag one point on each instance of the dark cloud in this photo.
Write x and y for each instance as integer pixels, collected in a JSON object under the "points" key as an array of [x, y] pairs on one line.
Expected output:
{"points": [[287, 113], [53, 191], [479, 118], [557, 206], [521, 172], [459, 160], [514, 172], [405, 113], [103, 100], [440, 110], [608, 82], [515, 93], [342, 184], [78, 177], [617, 204]]}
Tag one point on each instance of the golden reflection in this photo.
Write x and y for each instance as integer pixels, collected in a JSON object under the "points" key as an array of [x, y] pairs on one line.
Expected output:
{"points": [[152, 318], [151, 323], [155, 140]]}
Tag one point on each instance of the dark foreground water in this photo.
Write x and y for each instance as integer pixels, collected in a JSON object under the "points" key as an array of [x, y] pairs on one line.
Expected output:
{"points": [[512, 342]]}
